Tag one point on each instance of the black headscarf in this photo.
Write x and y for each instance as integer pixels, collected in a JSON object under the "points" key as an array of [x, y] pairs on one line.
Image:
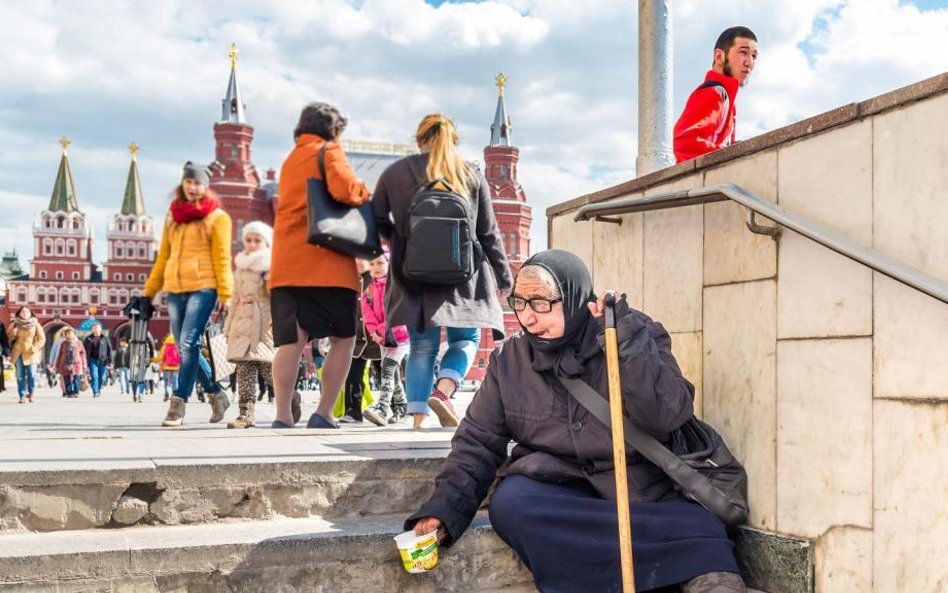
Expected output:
{"points": [[565, 355]]}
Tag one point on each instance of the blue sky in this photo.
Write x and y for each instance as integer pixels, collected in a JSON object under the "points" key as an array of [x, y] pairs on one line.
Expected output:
{"points": [[155, 73]]}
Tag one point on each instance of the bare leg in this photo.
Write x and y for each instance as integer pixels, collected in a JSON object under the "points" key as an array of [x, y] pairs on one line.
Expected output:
{"points": [[446, 386], [286, 363], [335, 369]]}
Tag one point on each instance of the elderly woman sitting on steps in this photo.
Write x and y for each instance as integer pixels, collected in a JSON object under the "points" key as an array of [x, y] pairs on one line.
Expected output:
{"points": [[556, 503]]}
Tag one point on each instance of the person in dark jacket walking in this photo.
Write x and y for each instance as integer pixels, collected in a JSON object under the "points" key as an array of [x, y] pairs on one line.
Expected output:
{"points": [[461, 309], [120, 362], [98, 355], [555, 505]]}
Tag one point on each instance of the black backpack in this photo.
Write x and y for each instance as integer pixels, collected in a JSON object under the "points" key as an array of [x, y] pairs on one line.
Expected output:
{"points": [[441, 246]]}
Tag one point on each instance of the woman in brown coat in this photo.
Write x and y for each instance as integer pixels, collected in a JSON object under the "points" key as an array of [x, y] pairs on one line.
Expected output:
{"points": [[27, 340], [314, 291], [248, 328]]}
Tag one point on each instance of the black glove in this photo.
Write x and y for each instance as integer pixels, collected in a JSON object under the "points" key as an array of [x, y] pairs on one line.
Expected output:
{"points": [[139, 307]]}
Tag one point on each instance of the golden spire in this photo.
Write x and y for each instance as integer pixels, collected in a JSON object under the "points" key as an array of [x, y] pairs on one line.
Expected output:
{"points": [[64, 142], [233, 53], [501, 81], [133, 148]]}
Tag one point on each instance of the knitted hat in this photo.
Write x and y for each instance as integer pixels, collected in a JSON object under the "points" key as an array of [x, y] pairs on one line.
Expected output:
{"points": [[258, 227], [199, 173]]}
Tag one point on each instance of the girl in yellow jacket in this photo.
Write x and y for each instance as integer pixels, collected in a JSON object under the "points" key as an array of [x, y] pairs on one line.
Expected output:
{"points": [[193, 268]]}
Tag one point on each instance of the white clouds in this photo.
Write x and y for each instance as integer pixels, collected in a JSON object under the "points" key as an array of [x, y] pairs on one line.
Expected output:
{"points": [[107, 74]]}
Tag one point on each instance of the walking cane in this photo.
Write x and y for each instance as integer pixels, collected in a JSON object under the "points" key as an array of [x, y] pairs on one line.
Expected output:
{"points": [[618, 445]]}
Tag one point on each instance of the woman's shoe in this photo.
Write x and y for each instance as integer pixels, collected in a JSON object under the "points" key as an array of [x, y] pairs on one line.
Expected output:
{"points": [[441, 405], [175, 415], [317, 421], [219, 404], [31, 398], [241, 422], [278, 424], [22, 400]]}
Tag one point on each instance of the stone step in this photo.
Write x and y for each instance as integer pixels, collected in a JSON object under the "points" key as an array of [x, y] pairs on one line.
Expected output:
{"points": [[315, 554], [368, 473]]}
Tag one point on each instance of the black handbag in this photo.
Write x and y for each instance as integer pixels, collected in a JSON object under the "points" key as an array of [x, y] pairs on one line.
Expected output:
{"points": [[697, 459], [349, 230]]}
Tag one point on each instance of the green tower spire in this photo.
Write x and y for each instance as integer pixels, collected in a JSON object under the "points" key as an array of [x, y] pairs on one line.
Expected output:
{"points": [[64, 198], [134, 200]]}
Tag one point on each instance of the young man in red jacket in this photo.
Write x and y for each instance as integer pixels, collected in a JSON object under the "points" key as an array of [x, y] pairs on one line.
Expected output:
{"points": [[708, 120]]}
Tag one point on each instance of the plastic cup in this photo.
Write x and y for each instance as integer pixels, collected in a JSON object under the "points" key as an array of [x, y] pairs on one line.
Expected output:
{"points": [[419, 552]]}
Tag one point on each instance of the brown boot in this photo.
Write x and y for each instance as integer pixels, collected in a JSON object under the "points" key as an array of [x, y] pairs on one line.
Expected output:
{"points": [[175, 416], [246, 417], [219, 404]]}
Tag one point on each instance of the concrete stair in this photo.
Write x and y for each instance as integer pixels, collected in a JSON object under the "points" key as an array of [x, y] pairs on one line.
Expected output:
{"points": [[112, 507], [288, 555]]}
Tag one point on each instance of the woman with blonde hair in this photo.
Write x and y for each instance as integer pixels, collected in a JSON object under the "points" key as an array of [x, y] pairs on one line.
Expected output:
{"points": [[27, 339], [462, 308]]}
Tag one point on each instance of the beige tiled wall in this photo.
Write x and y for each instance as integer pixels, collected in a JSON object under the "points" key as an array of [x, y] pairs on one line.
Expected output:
{"points": [[740, 383], [828, 380], [824, 435], [731, 253]]}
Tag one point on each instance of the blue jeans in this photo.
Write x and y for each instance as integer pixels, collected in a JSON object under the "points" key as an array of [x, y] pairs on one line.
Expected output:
{"points": [[25, 379], [97, 371], [72, 384], [456, 362], [123, 380], [171, 381], [189, 313]]}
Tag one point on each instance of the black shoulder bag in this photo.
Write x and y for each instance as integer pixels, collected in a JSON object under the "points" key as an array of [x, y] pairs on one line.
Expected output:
{"points": [[349, 230], [699, 462]]}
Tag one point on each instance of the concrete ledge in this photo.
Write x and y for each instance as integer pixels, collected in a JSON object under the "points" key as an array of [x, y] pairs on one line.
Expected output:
{"points": [[173, 494], [299, 555]]}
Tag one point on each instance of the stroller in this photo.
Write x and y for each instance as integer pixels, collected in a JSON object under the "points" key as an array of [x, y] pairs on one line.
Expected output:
{"points": [[139, 311]]}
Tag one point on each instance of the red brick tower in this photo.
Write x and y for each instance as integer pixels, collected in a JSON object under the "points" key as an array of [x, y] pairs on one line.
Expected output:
{"points": [[131, 234], [233, 175], [513, 213], [62, 241]]}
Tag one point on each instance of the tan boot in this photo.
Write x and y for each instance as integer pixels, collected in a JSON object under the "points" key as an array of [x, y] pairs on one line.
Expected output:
{"points": [[246, 417], [175, 416], [219, 404]]}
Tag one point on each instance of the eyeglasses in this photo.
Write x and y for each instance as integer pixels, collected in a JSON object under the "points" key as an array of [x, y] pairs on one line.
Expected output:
{"points": [[537, 304]]}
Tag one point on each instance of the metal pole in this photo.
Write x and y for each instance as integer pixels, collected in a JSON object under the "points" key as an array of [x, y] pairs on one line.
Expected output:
{"points": [[655, 87]]}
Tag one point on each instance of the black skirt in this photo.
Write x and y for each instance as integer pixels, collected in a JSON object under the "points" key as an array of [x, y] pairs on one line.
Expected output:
{"points": [[568, 537], [321, 311]]}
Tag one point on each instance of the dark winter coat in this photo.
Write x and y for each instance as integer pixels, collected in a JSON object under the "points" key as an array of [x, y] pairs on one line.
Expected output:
{"points": [[472, 304], [557, 439], [105, 349]]}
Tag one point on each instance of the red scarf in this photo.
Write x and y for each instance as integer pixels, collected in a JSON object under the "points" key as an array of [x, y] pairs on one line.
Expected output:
{"points": [[185, 211]]}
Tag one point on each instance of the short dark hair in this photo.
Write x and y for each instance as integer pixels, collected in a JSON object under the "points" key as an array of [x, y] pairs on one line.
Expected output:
{"points": [[321, 119], [726, 39]]}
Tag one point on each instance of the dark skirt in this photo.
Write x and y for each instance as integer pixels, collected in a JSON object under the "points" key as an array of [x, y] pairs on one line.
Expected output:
{"points": [[568, 538], [321, 312]]}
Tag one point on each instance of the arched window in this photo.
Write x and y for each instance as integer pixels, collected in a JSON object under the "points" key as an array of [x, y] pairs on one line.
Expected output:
{"points": [[71, 248], [60, 247], [142, 254], [59, 275], [117, 277], [130, 277], [142, 277], [119, 249], [75, 275]]}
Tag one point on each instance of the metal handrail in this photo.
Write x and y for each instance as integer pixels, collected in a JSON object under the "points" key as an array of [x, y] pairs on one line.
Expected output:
{"points": [[871, 258]]}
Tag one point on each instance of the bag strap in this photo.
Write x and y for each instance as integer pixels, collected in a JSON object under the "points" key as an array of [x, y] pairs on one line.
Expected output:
{"points": [[321, 161], [684, 475], [719, 88]]}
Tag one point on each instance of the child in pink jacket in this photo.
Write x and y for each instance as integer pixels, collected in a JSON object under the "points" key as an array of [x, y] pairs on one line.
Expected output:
{"points": [[394, 343]]}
